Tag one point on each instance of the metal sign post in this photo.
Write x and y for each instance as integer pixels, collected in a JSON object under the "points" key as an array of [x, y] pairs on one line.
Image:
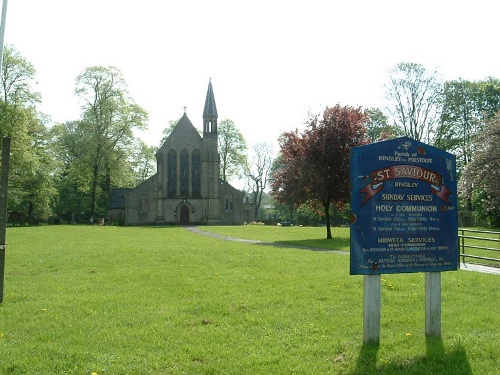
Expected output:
{"points": [[5, 170], [4, 181]]}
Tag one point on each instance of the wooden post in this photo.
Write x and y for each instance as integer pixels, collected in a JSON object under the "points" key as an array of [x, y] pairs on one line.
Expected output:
{"points": [[371, 309], [433, 304]]}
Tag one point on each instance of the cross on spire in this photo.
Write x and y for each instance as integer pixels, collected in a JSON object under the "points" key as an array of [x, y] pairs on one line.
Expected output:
{"points": [[185, 109]]}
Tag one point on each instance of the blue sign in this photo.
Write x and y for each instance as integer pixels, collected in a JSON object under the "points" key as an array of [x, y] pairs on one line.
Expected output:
{"points": [[403, 208]]}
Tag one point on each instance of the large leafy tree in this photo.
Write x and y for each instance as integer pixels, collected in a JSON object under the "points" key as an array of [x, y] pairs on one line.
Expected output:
{"points": [[103, 135], [377, 126], [32, 164], [466, 105], [33, 178], [480, 180], [232, 149], [315, 163], [414, 99], [73, 175]]}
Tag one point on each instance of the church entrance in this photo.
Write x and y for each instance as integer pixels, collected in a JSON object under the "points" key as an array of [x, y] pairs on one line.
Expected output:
{"points": [[184, 215]]}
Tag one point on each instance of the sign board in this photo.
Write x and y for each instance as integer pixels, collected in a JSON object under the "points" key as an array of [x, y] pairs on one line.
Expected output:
{"points": [[403, 208]]}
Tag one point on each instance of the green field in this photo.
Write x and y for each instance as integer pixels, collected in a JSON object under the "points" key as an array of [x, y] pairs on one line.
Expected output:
{"points": [[163, 300]]}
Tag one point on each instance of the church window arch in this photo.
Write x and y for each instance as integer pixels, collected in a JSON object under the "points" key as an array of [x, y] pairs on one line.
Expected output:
{"points": [[172, 173], [196, 174], [184, 173]]}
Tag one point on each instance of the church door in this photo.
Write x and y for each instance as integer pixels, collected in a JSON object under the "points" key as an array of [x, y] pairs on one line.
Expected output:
{"points": [[184, 215]]}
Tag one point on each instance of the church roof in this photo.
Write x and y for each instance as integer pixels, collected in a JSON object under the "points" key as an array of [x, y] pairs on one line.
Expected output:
{"points": [[210, 107], [184, 121], [182, 134], [184, 126]]}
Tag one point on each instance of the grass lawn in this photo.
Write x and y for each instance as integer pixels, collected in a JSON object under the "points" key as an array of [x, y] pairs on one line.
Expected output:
{"points": [[163, 300]]}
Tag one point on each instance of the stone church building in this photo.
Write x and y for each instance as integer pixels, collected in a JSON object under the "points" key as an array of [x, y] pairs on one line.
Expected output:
{"points": [[186, 188]]}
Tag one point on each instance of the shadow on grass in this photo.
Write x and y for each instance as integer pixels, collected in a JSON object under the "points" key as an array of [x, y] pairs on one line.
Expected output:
{"points": [[336, 244], [159, 226], [436, 361], [367, 359]]}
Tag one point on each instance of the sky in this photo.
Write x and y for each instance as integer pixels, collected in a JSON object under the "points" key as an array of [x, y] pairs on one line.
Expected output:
{"points": [[271, 62]]}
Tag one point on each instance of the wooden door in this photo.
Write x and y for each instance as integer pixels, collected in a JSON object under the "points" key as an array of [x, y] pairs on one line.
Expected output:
{"points": [[184, 215]]}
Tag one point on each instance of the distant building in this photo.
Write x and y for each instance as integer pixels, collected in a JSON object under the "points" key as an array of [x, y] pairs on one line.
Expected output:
{"points": [[186, 188]]}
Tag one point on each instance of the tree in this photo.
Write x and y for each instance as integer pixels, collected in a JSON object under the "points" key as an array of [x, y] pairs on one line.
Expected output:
{"points": [[232, 148], [143, 161], [466, 105], [480, 180], [257, 171], [33, 171], [107, 123], [414, 97], [17, 79], [18, 97], [69, 142], [32, 188], [315, 164], [377, 126]]}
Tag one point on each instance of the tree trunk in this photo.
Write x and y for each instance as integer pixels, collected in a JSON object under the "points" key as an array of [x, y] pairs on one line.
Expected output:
{"points": [[93, 192], [326, 204]]}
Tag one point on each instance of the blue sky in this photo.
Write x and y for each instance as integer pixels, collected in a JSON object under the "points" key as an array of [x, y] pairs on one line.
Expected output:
{"points": [[271, 62]]}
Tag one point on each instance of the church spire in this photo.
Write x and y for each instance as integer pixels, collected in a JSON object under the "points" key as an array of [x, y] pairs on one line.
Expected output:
{"points": [[210, 112]]}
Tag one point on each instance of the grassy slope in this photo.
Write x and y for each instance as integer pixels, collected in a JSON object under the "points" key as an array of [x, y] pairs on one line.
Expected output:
{"points": [[118, 300]]}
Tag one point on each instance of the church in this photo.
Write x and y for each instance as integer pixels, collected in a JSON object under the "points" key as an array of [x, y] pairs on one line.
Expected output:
{"points": [[186, 188]]}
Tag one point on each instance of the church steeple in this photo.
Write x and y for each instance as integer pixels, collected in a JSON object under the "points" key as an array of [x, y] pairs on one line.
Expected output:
{"points": [[210, 113]]}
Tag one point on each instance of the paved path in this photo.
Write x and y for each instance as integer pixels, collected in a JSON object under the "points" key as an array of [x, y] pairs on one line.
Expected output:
{"points": [[479, 268], [463, 266]]}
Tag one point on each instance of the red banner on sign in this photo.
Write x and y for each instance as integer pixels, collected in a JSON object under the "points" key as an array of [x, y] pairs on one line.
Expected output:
{"points": [[379, 176]]}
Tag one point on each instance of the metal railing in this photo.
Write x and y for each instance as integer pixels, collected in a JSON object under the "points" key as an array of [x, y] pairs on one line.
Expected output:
{"points": [[471, 240]]}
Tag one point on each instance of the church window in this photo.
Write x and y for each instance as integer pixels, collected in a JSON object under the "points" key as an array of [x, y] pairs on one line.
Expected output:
{"points": [[229, 206], [143, 205], [196, 174], [172, 174], [184, 173]]}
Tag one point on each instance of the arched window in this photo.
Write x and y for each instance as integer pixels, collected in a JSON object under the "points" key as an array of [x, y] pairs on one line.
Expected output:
{"points": [[172, 174], [184, 173], [196, 174]]}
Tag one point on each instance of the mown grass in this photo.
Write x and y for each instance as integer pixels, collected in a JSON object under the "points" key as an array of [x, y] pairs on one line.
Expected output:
{"points": [[114, 300]]}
